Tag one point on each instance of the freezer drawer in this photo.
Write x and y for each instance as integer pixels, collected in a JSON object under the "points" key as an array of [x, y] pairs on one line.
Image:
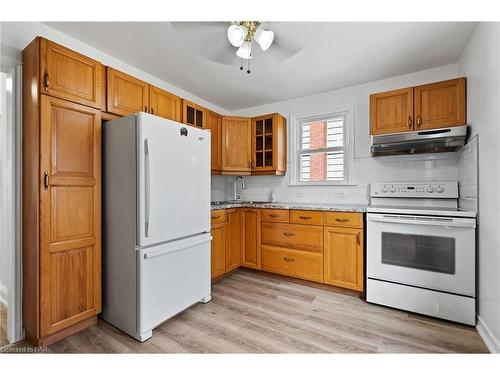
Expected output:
{"points": [[171, 278]]}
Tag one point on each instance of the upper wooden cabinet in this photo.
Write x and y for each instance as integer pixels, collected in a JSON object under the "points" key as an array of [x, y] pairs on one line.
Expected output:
{"points": [[164, 104], [236, 145], [69, 75], [440, 104], [126, 94], [391, 112], [435, 105], [269, 144], [214, 123], [193, 114]]}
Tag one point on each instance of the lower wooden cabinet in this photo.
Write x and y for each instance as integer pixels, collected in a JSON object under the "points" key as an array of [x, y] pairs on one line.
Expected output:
{"points": [[251, 238], [218, 253], [343, 257], [296, 263], [233, 239]]}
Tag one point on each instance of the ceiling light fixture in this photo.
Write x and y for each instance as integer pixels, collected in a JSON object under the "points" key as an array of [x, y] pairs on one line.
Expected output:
{"points": [[241, 34]]}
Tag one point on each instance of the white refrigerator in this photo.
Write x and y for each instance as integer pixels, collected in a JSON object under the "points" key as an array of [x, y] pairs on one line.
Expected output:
{"points": [[156, 221]]}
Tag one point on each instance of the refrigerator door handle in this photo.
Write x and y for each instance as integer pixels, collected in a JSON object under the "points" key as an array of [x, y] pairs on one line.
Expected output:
{"points": [[147, 190]]}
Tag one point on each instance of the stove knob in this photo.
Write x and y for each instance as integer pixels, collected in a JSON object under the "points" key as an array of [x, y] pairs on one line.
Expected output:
{"points": [[430, 189], [393, 189], [439, 189], [384, 189]]}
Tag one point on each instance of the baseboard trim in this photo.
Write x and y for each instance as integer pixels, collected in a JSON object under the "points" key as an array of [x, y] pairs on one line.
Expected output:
{"points": [[489, 339]]}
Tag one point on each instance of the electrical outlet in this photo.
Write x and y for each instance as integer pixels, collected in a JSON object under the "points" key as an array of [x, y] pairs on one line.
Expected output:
{"points": [[300, 194], [339, 195]]}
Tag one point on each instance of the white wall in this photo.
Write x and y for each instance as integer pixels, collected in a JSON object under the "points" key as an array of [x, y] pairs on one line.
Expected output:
{"points": [[365, 168], [17, 35], [4, 175], [480, 63]]}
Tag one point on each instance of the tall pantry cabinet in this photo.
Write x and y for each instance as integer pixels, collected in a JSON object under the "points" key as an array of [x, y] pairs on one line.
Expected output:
{"points": [[63, 94]]}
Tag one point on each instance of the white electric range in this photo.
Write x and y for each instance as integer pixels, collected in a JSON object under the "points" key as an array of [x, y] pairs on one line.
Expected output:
{"points": [[421, 250]]}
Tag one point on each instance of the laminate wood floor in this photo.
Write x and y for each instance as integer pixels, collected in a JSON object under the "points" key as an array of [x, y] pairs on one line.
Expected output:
{"points": [[3, 325], [253, 312]]}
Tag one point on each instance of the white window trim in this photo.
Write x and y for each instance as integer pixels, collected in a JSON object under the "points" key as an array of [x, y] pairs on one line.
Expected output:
{"points": [[294, 146]]}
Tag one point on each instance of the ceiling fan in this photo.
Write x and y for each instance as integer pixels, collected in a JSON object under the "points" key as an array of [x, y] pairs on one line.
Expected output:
{"points": [[242, 33]]}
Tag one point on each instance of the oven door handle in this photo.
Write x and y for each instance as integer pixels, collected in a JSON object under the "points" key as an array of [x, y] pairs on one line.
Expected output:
{"points": [[423, 220]]}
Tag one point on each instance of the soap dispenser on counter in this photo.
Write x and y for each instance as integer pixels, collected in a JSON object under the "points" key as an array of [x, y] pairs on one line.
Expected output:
{"points": [[273, 197]]}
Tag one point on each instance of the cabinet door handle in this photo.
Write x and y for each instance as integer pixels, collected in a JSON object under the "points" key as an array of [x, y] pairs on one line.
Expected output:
{"points": [[152, 111], [289, 234], [305, 217], [215, 217], [146, 108], [46, 80], [274, 215], [341, 220], [287, 259], [419, 121], [358, 239], [46, 180], [410, 122]]}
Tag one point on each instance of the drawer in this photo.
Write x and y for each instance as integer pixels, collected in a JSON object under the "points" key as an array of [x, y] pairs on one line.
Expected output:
{"points": [[306, 217], [293, 236], [296, 263], [218, 216], [344, 219], [267, 214]]}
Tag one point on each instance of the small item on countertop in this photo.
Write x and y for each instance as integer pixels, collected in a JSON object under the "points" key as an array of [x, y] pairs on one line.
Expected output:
{"points": [[273, 197]]}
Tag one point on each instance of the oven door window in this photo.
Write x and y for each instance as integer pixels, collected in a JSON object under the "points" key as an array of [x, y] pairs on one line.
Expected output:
{"points": [[431, 253]]}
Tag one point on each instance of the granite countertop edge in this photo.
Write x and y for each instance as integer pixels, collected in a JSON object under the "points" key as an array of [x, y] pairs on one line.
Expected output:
{"points": [[294, 206]]}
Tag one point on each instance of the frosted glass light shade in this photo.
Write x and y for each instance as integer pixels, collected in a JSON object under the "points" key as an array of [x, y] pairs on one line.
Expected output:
{"points": [[245, 51], [236, 35], [264, 38]]}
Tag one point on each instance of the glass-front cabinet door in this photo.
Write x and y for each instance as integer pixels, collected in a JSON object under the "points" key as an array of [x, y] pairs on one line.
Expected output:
{"points": [[269, 144], [193, 114]]}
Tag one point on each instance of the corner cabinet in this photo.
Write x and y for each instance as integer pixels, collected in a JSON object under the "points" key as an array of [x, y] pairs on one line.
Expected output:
{"points": [[126, 94], [269, 144], [236, 145], [431, 106]]}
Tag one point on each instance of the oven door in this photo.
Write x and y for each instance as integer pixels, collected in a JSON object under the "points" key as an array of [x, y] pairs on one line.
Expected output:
{"points": [[437, 253]]}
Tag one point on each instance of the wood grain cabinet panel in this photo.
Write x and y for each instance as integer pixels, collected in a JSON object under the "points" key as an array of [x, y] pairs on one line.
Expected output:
{"points": [[344, 219], [306, 217], [218, 250], [343, 257], [295, 263], [269, 144], [392, 111], [293, 236], [271, 214], [164, 104], [251, 238], [214, 123], [69, 75], [218, 216], [236, 145], [233, 239], [440, 104], [126, 94], [70, 225]]}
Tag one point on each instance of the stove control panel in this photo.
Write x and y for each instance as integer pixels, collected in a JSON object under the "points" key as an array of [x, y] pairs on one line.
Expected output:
{"points": [[444, 189]]}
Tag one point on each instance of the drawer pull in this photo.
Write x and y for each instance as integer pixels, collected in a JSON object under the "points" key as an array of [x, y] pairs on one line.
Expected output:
{"points": [[215, 217], [287, 259], [274, 215], [341, 220], [289, 234], [305, 217]]}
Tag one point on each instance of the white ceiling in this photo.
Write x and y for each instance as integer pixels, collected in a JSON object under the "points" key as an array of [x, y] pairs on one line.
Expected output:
{"points": [[306, 58]]}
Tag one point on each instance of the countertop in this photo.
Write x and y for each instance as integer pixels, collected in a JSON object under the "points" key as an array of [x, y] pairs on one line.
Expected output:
{"points": [[292, 206]]}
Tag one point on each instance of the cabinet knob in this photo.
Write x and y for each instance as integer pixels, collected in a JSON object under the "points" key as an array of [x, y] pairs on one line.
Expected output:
{"points": [[419, 121]]}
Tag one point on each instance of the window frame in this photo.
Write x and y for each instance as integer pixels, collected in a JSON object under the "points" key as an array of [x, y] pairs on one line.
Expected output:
{"points": [[295, 149]]}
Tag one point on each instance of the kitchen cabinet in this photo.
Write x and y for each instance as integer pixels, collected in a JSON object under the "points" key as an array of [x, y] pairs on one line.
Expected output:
{"points": [[343, 257], [292, 236], [164, 104], [214, 123], [391, 112], [251, 238], [193, 114], [233, 239], [69, 75], [295, 263], [269, 144], [440, 104], [431, 106], [236, 145], [126, 94], [218, 244], [61, 218]]}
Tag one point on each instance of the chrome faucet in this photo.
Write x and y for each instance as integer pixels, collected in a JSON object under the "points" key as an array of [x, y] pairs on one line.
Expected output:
{"points": [[236, 197]]}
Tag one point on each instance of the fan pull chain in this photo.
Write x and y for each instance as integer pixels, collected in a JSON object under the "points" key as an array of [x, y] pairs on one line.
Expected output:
{"points": [[241, 63], [248, 67]]}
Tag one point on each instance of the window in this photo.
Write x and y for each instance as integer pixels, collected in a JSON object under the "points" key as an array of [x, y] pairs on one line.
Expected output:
{"points": [[321, 148]]}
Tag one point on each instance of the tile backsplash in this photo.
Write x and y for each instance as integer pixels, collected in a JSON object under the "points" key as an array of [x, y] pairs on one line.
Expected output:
{"points": [[427, 167]]}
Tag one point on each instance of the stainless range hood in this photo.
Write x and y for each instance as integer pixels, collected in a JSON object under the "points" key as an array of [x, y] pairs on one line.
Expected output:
{"points": [[419, 142]]}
